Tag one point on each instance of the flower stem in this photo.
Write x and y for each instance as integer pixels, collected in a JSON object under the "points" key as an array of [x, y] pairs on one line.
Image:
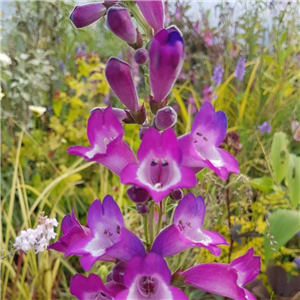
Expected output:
{"points": [[152, 223], [161, 212], [146, 231]]}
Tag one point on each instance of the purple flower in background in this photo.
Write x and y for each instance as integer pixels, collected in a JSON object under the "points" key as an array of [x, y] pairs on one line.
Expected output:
{"points": [[207, 93], [149, 278], [177, 13], [200, 147], [109, 240], [87, 14], [297, 262], [208, 41], [118, 21], [91, 287], [296, 130], [72, 231], [159, 170], [153, 12], [105, 134], [240, 68], [197, 27], [186, 231], [218, 75], [265, 127], [62, 67], [166, 55], [192, 108], [225, 279]]}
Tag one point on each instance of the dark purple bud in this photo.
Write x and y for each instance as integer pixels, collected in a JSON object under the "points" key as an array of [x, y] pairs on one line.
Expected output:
{"points": [[165, 118], [137, 194], [143, 130], [177, 194], [166, 56], [153, 12], [118, 272], [142, 208], [141, 56], [87, 14], [118, 75], [119, 22]]}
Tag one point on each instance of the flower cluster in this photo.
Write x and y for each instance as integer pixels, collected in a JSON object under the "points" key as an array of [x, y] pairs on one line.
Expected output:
{"points": [[163, 165], [37, 239]]}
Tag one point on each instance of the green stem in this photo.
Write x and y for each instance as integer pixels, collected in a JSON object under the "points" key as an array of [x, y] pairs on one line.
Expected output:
{"points": [[152, 223], [146, 231], [161, 212]]}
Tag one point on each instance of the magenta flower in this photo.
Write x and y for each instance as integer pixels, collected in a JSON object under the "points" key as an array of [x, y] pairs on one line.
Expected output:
{"points": [[200, 147], [118, 21], [108, 239], [225, 279], [186, 231], [72, 231], [87, 14], [159, 170], [91, 287], [149, 278], [166, 55], [105, 134], [153, 11]]}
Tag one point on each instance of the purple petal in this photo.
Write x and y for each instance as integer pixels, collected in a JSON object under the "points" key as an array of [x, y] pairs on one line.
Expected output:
{"points": [[248, 267], [215, 278], [89, 288], [119, 77], [166, 55], [119, 22], [87, 14], [153, 11], [120, 114]]}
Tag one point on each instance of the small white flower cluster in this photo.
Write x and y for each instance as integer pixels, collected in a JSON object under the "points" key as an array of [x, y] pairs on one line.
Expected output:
{"points": [[37, 238]]}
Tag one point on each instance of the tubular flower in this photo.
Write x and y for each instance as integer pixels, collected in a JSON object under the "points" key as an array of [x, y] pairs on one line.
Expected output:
{"points": [[159, 170], [149, 278], [166, 55], [108, 239], [105, 134], [153, 11], [225, 279], [200, 147], [186, 231], [119, 22], [87, 14]]}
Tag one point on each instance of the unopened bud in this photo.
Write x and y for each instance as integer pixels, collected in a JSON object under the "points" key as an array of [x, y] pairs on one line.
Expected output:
{"points": [[142, 208], [141, 56], [176, 194], [137, 194], [165, 118]]}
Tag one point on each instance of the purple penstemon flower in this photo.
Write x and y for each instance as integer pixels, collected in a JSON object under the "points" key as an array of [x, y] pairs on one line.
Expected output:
{"points": [[225, 279], [108, 239], [265, 127], [159, 170], [186, 231], [240, 68], [200, 147], [218, 75], [166, 55], [105, 134], [149, 278]]}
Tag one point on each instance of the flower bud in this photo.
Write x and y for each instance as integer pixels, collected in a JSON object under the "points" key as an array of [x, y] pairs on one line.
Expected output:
{"points": [[87, 14], [141, 56], [143, 130], [137, 194], [165, 118], [142, 208], [153, 12], [118, 75], [166, 55], [119, 22], [176, 194]]}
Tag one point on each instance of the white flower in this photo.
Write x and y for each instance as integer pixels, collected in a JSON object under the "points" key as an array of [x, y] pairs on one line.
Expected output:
{"points": [[40, 110], [5, 60], [37, 238]]}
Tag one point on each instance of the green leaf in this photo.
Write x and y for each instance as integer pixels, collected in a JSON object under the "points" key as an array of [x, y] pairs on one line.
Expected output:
{"points": [[293, 179], [284, 224], [264, 184], [279, 156]]}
